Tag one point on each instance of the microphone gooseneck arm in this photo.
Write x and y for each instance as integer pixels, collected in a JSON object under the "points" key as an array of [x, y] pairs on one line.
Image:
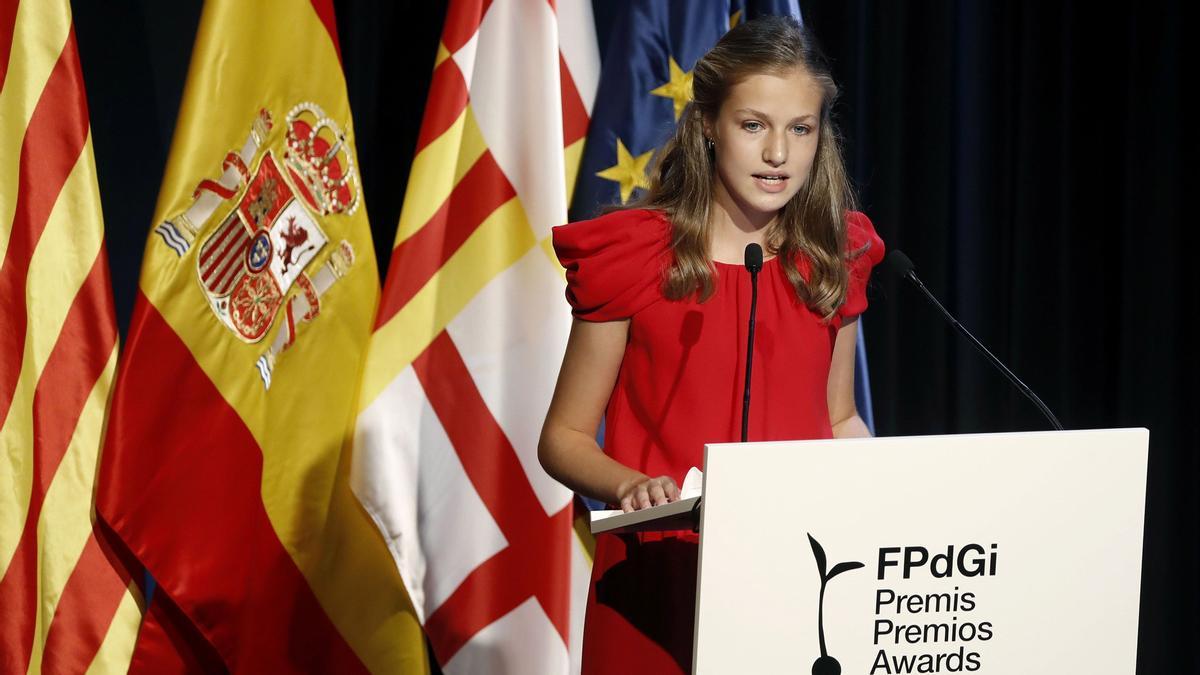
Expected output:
{"points": [[906, 271], [749, 355], [754, 261]]}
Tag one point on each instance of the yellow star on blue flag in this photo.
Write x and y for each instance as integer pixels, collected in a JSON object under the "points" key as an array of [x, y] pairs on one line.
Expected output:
{"points": [[678, 89], [629, 171]]}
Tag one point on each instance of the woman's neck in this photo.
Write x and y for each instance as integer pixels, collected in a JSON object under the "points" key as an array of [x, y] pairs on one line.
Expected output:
{"points": [[731, 229]]}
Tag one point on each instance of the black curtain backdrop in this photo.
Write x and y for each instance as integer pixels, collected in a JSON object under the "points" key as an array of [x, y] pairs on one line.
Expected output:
{"points": [[1032, 158]]}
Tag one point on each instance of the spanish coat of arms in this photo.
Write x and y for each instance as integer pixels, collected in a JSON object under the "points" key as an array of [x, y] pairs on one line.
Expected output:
{"points": [[269, 233]]}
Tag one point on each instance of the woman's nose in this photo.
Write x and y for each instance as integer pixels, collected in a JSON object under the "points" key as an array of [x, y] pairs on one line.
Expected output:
{"points": [[775, 151]]}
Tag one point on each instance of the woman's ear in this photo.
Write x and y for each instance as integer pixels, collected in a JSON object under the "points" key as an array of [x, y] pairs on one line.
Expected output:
{"points": [[706, 126]]}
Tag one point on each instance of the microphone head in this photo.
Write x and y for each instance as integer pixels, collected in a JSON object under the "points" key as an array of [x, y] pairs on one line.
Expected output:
{"points": [[898, 263], [754, 258]]}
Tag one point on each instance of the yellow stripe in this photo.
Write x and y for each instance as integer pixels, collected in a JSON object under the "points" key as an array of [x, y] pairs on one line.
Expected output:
{"points": [[38, 37], [61, 261], [499, 241], [547, 246], [116, 651], [436, 170], [573, 157], [358, 581], [442, 54], [66, 520], [584, 536]]}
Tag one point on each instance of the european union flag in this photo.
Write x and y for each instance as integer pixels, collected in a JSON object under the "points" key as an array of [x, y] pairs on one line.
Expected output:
{"points": [[648, 50]]}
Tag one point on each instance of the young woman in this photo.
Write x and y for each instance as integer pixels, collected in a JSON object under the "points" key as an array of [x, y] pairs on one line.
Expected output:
{"points": [[661, 301]]}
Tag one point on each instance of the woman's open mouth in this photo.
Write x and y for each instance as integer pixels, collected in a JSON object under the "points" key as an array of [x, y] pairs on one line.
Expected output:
{"points": [[771, 182]]}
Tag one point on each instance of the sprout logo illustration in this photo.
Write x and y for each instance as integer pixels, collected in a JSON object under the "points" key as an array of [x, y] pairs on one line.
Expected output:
{"points": [[826, 664]]}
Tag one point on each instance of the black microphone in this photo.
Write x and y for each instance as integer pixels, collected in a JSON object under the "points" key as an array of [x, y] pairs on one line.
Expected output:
{"points": [[754, 263], [898, 263]]}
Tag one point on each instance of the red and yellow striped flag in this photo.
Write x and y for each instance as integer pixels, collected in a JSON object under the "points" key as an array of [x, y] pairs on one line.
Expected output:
{"points": [[223, 470], [469, 337], [64, 607]]}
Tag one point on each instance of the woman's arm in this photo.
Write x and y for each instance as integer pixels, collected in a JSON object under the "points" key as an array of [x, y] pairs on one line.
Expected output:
{"points": [[843, 412], [567, 448]]}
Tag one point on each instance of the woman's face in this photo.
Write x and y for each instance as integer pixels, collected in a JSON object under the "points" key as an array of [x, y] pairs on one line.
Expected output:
{"points": [[765, 137]]}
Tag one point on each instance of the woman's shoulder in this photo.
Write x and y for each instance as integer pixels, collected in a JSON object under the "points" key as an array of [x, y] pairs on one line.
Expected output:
{"points": [[614, 226], [862, 239], [864, 250], [614, 262]]}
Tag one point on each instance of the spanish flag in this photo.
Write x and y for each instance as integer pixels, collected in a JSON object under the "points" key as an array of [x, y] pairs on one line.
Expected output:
{"points": [[64, 606], [469, 337], [223, 469]]}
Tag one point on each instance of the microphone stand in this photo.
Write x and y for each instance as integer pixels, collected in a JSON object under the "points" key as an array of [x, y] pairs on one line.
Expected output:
{"points": [[910, 274], [753, 264]]}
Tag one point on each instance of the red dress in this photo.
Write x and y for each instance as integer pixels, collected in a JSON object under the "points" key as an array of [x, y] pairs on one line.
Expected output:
{"points": [[680, 386]]}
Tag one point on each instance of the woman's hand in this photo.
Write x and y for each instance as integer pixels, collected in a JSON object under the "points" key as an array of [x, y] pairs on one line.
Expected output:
{"points": [[644, 492]]}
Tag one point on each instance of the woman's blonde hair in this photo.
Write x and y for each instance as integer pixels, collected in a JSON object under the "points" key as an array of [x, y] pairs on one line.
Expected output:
{"points": [[812, 223]]}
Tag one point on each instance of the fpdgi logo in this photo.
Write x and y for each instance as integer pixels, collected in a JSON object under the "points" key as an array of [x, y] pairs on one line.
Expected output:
{"points": [[826, 664]]}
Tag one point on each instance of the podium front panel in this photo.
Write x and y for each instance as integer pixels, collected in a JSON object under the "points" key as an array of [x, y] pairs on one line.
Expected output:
{"points": [[989, 553]]}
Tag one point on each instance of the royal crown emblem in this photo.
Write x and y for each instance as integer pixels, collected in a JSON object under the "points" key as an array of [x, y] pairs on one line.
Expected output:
{"points": [[319, 162], [260, 260]]}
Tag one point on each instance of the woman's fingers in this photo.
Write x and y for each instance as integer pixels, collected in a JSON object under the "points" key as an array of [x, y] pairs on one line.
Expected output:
{"points": [[643, 496], [650, 492], [672, 491], [657, 494]]}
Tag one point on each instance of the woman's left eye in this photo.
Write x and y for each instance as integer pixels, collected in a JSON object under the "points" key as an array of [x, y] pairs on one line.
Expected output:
{"points": [[800, 129]]}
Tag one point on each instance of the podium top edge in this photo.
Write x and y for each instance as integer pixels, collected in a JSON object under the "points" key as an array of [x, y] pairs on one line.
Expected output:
{"points": [[1138, 431]]}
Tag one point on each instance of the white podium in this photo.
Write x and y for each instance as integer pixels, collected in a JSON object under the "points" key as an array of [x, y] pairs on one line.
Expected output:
{"points": [[993, 553], [989, 553]]}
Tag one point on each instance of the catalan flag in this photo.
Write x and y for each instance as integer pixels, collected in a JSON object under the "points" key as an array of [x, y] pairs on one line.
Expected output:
{"points": [[224, 465], [468, 340], [64, 605]]}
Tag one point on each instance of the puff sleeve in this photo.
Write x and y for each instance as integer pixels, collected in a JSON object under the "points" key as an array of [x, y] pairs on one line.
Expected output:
{"points": [[859, 233], [614, 263]]}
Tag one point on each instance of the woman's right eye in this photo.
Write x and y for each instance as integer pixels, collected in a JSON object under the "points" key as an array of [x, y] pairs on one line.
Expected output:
{"points": [[752, 125]]}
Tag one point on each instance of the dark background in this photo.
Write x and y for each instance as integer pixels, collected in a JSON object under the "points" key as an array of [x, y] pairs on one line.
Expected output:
{"points": [[1032, 158]]}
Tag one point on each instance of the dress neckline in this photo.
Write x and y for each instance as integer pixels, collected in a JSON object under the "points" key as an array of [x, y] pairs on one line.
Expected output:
{"points": [[663, 216], [742, 265]]}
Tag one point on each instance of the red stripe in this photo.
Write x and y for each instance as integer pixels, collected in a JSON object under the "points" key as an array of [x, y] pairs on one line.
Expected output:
{"points": [[8, 24], [215, 188], [324, 10], [223, 237], [291, 326], [235, 160], [447, 99], [462, 22], [230, 276], [85, 610], [536, 561], [489, 459], [189, 506], [234, 251], [575, 117], [82, 350], [414, 262], [538, 565], [52, 144], [167, 644]]}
